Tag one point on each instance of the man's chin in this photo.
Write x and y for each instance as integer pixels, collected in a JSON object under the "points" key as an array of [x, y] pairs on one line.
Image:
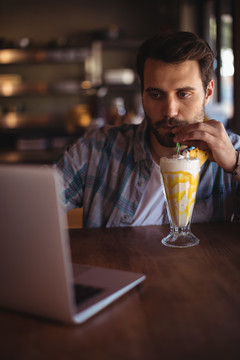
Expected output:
{"points": [[165, 139]]}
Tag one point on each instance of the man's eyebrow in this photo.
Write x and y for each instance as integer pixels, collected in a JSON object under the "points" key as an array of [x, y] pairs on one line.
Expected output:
{"points": [[185, 88], [151, 89]]}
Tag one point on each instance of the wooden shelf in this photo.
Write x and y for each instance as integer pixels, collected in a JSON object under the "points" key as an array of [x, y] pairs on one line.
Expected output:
{"points": [[65, 87], [29, 157], [20, 56]]}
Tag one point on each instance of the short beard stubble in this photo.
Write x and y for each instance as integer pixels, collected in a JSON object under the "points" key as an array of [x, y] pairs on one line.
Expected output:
{"points": [[166, 139]]}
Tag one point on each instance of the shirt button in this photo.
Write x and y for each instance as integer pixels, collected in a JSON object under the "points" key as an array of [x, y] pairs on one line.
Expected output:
{"points": [[140, 183]]}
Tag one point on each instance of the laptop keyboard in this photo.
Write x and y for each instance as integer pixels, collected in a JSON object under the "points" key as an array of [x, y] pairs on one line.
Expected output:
{"points": [[83, 292]]}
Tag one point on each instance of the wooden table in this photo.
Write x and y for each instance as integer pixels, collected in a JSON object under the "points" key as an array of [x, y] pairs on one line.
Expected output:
{"points": [[187, 308]]}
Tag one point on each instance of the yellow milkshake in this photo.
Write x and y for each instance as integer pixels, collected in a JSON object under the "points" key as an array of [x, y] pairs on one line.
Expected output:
{"points": [[180, 175]]}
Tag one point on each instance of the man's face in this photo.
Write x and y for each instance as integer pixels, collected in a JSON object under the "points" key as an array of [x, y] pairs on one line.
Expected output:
{"points": [[173, 95]]}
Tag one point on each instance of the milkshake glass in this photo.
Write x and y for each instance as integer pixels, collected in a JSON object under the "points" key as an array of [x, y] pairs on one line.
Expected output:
{"points": [[180, 176]]}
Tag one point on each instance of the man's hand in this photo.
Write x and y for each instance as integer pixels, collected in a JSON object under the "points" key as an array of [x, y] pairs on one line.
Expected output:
{"points": [[211, 136]]}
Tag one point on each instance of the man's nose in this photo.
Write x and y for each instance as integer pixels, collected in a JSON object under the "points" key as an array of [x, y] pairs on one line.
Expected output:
{"points": [[170, 107]]}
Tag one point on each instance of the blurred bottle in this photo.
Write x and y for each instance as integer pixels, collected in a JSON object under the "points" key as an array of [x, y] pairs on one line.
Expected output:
{"points": [[116, 113], [78, 117]]}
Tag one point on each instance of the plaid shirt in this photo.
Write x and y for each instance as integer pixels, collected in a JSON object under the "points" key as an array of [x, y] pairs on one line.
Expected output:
{"points": [[106, 172]]}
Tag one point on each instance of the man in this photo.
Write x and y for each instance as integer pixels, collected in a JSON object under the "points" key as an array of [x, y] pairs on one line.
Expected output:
{"points": [[113, 172]]}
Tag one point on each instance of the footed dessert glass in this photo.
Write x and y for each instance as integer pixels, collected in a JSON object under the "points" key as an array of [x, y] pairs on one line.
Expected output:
{"points": [[180, 177]]}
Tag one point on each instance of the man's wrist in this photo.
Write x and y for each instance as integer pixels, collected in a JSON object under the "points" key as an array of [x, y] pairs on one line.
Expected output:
{"points": [[235, 170]]}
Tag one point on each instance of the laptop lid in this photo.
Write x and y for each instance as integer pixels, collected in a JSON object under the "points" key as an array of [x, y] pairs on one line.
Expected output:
{"points": [[36, 274]]}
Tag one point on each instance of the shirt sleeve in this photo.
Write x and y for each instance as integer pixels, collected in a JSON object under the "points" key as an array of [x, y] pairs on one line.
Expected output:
{"points": [[72, 169]]}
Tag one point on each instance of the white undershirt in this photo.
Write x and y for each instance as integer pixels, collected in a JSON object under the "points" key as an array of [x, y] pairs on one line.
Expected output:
{"points": [[151, 209]]}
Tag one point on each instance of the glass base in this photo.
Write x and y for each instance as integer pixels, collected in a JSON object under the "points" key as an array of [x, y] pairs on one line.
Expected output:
{"points": [[180, 239]]}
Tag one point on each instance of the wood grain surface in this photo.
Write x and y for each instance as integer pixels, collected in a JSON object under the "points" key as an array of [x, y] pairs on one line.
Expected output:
{"points": [[187, 308]]}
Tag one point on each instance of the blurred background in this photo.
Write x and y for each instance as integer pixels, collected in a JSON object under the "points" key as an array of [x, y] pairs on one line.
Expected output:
{"points": [[69, 66]]}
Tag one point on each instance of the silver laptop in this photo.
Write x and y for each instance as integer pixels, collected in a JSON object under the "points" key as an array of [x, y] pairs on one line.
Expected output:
{"points": [[36, 273]]}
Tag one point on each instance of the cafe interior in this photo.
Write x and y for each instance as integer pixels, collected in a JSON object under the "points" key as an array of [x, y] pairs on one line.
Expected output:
{"points": [[67, 67]]}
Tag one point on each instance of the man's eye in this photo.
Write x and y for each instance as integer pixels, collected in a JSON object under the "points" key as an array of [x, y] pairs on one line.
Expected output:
{"points": [[155, 95], [183, 94]]}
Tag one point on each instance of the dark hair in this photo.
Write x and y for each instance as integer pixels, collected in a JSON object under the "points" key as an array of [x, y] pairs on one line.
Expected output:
{"points": [[176, 47]]}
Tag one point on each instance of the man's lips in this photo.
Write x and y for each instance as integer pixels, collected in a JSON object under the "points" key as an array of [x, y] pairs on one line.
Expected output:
{"points": [[169, 124], [167, 127]]}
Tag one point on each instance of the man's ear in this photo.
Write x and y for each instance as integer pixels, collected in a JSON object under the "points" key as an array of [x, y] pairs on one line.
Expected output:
{"points": [[209, 91]]}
